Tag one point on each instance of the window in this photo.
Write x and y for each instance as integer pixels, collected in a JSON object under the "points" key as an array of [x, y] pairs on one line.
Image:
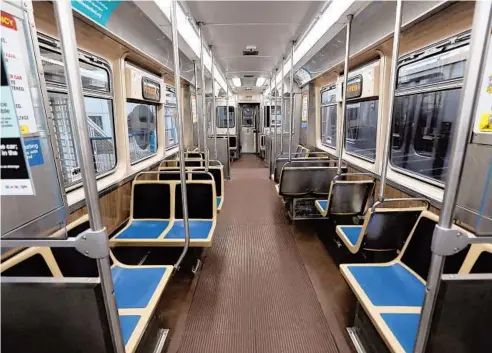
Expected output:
{"points": [[361, 123], [329, 117], [170, 117], [99, 109], [142, 133], [424, 120], [222, 117], [248, 116]]}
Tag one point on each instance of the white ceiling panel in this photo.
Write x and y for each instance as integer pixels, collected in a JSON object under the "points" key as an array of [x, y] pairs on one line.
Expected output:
{"points": [[270, 26]]}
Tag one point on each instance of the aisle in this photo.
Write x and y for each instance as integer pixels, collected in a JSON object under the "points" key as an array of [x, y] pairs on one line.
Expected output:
{"points": [[254, 294]]}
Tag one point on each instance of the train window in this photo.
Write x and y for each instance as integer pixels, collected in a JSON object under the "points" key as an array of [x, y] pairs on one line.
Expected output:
{"points": [[170, 118], [222, 117], [361, 122], [424, 118], [142, 132], [329, 117], [99, 108]]}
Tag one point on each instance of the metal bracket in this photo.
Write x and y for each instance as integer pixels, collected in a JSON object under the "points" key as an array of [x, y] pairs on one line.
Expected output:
{"points": [[446, 242], [93, 244]]}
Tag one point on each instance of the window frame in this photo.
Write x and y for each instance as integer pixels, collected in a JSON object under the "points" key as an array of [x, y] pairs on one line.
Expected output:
{"points": [[322, 105], [53, 45], [447, 45], [217, 117], [174, 120], [156, 105]]}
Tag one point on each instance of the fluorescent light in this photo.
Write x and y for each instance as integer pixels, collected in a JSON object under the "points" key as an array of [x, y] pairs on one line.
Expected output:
{"points": [[236, 81], [188, 33], [248, 88], [260, 81], [330, 16]]}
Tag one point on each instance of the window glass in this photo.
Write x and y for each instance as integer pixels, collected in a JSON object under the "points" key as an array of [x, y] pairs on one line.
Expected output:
{"points": [[222, 117], [329, 125], [142, 133], [101, 133], [437, 68], [248, 116], [361, 128], [93, 77], [423, 126], [170, 116], [329, 96]]}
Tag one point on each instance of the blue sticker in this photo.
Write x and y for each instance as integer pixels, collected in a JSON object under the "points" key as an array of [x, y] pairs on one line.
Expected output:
{"points": [[152, 142], [304, 124], [34, 154], [97, 10]]}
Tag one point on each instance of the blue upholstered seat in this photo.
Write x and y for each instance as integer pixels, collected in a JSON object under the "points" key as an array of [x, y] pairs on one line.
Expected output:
{"points": [[351, 233], [391, 285], [143, 230], [134, 286], [323, 204], [404, 327], [219, 200], [198, 229], [128, 324]]}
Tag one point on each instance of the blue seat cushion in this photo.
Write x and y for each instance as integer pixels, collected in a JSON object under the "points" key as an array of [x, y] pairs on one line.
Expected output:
{"points": [[133, 287], [391, 285], [351, 233], [128, 324], [143, 230], [219, 200], [323, 204], [404, 327], [198, 230]]}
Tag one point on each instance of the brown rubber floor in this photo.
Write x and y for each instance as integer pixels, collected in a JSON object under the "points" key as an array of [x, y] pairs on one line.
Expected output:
{"points": [[254, 294]]}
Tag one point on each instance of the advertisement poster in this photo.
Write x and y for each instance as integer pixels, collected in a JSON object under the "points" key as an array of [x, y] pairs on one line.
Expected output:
{"points": [[12, 56], [98, 11], [483, 117], [304, 114], [15, 176]]}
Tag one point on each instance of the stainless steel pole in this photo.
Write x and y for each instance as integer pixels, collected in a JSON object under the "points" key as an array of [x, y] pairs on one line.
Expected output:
{"points": [[391, 98], [204, 107], [179, 106], [275, 131], [282, 109], [344, 98], [227, 117], [213, 117], [475, 67], [195, 70], [291, 120], [78, 116], [270, 127]]}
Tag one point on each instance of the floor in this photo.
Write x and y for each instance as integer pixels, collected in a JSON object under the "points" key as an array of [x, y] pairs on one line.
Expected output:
{"points": [[266, 286]]}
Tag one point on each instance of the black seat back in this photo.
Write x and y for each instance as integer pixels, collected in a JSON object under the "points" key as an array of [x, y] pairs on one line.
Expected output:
{"points": [[417, 253], [216, 174], [201, 200], [298, 162], [151, 200], [349, 197], [306, 181], [388, 229]]}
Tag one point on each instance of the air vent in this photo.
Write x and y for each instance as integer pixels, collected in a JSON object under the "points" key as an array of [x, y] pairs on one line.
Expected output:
{"points": [[249, 76], [250, 52]]}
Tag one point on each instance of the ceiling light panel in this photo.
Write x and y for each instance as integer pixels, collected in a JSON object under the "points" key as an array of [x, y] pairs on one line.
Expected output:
{"points": [[236, 81], [260, 81]]}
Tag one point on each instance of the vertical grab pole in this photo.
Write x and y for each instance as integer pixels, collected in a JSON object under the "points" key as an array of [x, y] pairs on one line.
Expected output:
{"points": [[270, 126], [482, 19], [282, 110], [275, 131], [227, 117], [182, 169], [212, 116], [344, 98], [204, 107], [391, 97], [64, 19], [291, 120], [195, 70]]}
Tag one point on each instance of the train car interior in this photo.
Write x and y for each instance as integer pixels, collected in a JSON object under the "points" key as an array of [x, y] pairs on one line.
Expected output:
{"points": [[236, 176]]}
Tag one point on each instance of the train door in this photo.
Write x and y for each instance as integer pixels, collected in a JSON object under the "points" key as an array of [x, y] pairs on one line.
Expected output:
{"points": [[249, 115]]}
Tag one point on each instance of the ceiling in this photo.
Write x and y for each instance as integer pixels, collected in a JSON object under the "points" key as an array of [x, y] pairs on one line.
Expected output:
{"points": [[270, 26]]}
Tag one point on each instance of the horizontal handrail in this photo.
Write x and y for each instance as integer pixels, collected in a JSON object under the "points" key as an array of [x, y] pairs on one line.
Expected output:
{"points": [[416, 199]]}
